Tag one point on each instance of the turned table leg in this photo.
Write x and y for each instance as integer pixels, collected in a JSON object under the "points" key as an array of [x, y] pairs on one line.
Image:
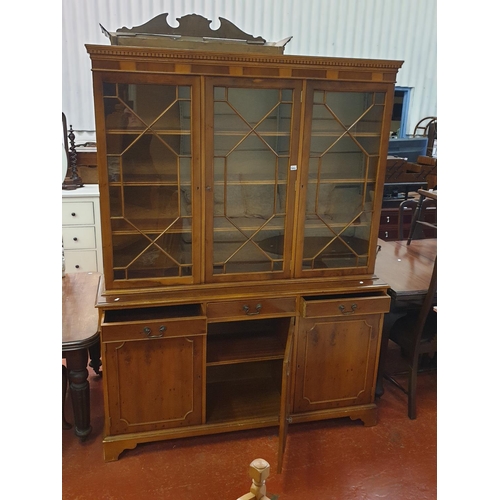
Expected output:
{"points": [[76, 362], [65, 423]]}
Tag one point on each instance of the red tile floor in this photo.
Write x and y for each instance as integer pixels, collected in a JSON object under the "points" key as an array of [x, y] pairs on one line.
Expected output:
{"points": [[335, 459]]}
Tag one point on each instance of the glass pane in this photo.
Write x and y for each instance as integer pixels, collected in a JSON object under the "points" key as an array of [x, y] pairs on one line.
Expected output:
{"points": [[235, 252], [219, 93], [348, 107], [343, 165], [371, 122], [252, 160], [115, 201], [286, 95], [109, 89], [148, 129], [184, 92], [253, 104]]}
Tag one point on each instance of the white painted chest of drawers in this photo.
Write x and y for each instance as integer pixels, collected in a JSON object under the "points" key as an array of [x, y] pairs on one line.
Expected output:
{"points": [[81, 229]]}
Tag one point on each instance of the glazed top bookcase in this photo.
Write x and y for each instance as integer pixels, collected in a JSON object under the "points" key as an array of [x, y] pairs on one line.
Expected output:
{"points": [[229, 167], [242, 192]]}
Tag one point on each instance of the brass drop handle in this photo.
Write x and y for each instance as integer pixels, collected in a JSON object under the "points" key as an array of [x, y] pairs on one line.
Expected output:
{"points": [[258, 307], [352, 311], [147, 331]]}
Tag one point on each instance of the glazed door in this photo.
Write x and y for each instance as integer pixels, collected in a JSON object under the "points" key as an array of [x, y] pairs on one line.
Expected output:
{"points": [[346, 136], [251, 167], [148, 141]]}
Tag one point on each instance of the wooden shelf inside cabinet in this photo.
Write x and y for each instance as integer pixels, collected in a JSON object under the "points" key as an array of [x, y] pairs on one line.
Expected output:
{"points": [[241, 348], [246, 341], [241, 392], [243, 396]]}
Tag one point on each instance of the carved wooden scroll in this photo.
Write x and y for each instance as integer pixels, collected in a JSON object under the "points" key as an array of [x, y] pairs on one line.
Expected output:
{"points": [[192, 25], [193, 32]]}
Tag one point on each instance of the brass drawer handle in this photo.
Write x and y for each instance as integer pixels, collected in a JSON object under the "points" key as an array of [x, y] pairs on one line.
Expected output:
{"points": [[258, 307], [147, 331], [352, 311]]}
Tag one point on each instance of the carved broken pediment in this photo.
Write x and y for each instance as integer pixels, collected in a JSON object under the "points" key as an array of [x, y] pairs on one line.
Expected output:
{"points": [[192, 25], [194, 31]]}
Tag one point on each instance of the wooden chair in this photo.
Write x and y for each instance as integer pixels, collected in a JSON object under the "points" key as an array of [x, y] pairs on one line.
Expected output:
{"points": [[259, 472], [417, 219], [409, 207], [416, 334]]}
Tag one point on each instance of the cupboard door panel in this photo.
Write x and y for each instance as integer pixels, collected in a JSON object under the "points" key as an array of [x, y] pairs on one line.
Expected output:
{"points": [[336, 362], [154, 384]]}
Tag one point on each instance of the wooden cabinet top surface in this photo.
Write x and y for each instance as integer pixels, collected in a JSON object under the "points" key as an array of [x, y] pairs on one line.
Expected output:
{"points": [[227, 291]]}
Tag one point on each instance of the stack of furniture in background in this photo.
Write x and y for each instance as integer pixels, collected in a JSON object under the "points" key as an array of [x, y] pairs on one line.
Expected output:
{"points": [[402, 181]]}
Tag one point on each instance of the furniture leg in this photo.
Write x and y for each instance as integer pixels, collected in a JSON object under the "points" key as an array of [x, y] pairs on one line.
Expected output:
{"points": [[95, 357], [412, 392], [416, 217], [65, 423], [80, 390], [389, 319]]}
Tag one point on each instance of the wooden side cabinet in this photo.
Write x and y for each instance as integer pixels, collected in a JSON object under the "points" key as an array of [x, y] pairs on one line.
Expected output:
{"points": [[240, 208]]}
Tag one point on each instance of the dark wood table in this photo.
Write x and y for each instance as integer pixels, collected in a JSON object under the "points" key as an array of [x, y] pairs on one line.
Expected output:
{"points": [[80, 332], [407, 269]]}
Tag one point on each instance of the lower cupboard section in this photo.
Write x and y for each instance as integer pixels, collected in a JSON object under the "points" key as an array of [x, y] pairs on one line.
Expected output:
{"points": [[168, 375]]}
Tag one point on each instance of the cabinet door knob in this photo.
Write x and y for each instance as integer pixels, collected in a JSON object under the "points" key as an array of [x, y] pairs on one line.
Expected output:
{"points": [[75, 239], [73, 214], [77, 266], [388, 219]]}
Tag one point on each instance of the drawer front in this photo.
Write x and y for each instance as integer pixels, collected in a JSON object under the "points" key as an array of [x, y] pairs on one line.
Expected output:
{"points": [[350, 306], [76, 213], [154, 329], [75, 238], [250, 308], [80, 261]]}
